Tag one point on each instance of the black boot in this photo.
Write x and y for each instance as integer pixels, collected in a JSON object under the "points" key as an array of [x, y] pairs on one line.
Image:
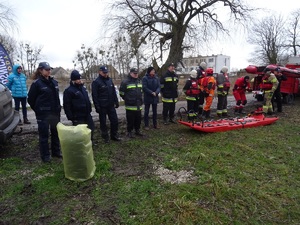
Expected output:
{"points": [[26, 121], [105, 136], [241, 110]]}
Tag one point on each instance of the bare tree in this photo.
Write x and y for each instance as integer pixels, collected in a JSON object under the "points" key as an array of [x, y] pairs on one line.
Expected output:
{"points": [[169, 23], [7, 22], [88, 60], [27, 56], [268, 35], [293, 32]]}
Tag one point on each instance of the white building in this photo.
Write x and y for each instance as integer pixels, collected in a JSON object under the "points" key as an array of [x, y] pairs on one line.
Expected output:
{"points": [[214, 61]]}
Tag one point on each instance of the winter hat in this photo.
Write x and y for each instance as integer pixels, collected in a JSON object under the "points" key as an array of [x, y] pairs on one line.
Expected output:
{"points": [[75, 75], [150, 69]]}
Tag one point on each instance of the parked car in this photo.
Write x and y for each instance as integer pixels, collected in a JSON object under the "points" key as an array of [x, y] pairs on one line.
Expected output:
{"points": [[9, 118]]}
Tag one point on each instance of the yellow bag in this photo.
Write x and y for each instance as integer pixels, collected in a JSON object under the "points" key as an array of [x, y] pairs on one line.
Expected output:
{"points": [[78, 156]]}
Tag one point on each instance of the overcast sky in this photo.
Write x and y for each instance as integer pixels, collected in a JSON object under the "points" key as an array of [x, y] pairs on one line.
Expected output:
{"points": [[62, 26]]}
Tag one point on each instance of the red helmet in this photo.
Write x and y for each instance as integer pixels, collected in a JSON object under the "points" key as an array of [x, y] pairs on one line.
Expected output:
{"points": [[209, 71]]}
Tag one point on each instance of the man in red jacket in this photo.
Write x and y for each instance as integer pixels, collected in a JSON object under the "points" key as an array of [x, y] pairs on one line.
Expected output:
{"points": [[239, 92]]}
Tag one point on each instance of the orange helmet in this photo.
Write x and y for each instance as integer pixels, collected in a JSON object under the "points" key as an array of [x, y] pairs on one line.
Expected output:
{"points": [[209, 71]]}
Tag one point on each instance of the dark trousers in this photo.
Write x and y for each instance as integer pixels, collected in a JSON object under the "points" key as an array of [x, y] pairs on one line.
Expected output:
{"points": [[168, 110], [278, 99], [193, 106], [134, 119], [23, 102], [43, 128], [89, 121], [154, 114], [222, 102], [113, 118]]}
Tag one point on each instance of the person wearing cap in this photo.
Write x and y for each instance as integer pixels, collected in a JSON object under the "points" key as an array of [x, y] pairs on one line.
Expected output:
{"points": [[43, 98], [200, 75], [192, 91], [16, 82], [76, 102], [151, 89], [131, 90], [241, 85], [169, 92], [269, 85], [223, 86], [106, 101], [277, 97]]}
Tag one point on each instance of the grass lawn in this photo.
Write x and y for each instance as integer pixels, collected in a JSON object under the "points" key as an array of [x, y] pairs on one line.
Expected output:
{"points": [[173, 175]]}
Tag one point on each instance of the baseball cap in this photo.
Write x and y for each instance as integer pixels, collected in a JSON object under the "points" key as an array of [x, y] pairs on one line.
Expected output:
{"points": [[171, 64], [103, 69], [44, 65], [133, 70]]}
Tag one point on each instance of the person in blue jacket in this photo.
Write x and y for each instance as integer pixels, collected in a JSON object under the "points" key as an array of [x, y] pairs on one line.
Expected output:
{"points": [[77, 104], [16, 82], [43, 98], [151, 89]]}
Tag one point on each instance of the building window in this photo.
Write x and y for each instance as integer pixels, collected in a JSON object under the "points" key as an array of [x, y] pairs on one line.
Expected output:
{"points": [[192, 61], [211, 60]]}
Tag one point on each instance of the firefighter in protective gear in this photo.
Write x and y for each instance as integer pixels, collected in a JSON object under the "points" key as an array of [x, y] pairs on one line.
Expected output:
{"points": [[207, 87], [223, 86], [192, 91], [239, 92], [277, 97], [169, 91], [131, 90], [200, 75], [269, 85]]}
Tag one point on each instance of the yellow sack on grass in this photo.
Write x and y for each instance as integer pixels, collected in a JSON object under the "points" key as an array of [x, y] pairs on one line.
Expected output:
{"points": [[78, 156]]}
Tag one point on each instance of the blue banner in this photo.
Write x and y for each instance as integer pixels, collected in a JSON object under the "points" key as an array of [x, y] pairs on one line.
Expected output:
{"points": [[5, 65]]}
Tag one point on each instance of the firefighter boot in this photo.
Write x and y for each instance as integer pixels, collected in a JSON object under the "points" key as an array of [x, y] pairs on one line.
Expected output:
{"points": [[208, 114]]}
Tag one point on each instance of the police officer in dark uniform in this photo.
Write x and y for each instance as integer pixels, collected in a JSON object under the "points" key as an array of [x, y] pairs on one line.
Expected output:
{"points": [[131, 92], [43, 98], [77, 105], [106, 101]]}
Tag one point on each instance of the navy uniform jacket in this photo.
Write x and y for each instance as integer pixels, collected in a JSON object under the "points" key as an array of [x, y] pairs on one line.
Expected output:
{"points": [[43, 97], [104, 92], [77, 104], [150, 85]]}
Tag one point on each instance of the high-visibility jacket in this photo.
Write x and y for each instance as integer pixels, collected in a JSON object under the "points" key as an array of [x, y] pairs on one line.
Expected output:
{"points": [[269, 83], [208, 84], [191, 89], [169, 86], [131, 91], [222, 81]]}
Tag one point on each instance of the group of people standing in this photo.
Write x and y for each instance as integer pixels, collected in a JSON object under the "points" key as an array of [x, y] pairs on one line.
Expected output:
{"points": [[200, 89], [43, 98]]}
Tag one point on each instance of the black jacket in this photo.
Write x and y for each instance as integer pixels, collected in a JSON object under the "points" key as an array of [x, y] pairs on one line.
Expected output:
{"points": [[104, 92], [169, 85], [43, 97], [131, 92], [77, 104]]}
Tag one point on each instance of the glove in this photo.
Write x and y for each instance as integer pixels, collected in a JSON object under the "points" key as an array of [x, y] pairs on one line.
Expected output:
{"points": [[270, 94], [117, 105], [224, 93], [206, 94]]}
